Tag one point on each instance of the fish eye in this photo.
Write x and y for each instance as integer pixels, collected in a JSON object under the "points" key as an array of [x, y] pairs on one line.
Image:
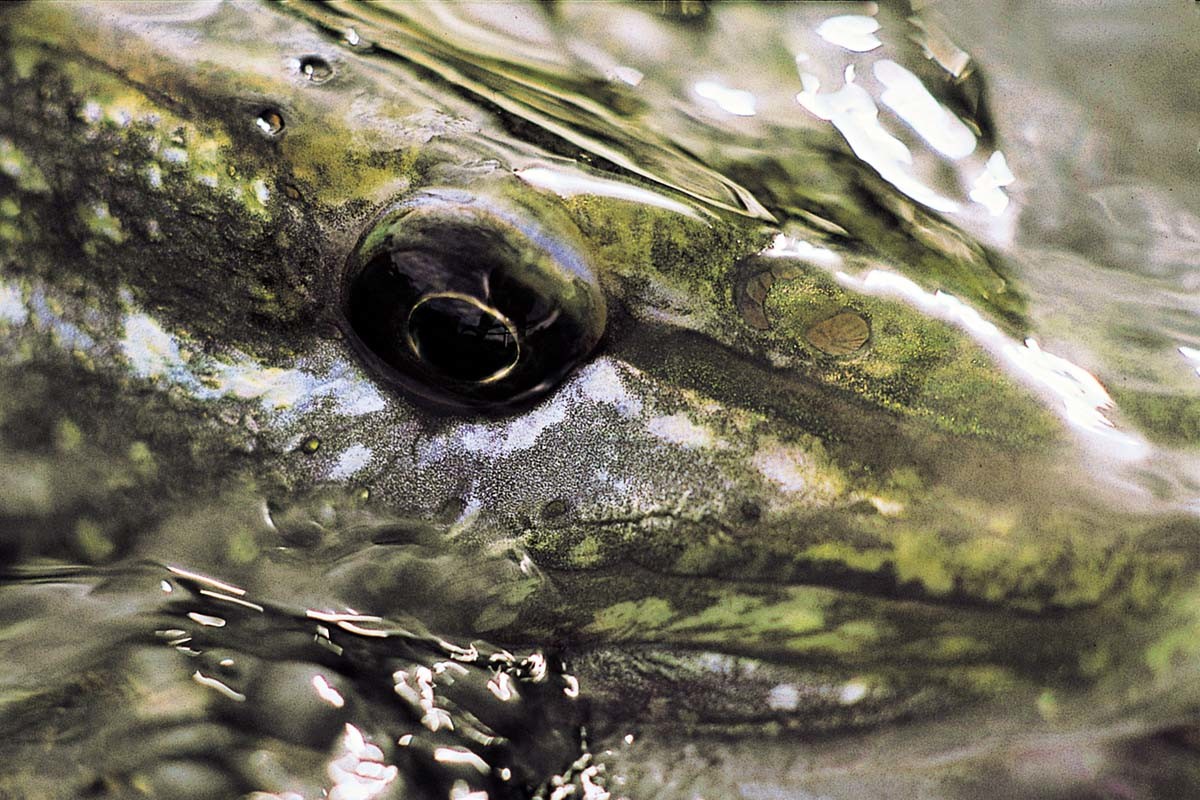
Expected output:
{"points": [[468, 303]]}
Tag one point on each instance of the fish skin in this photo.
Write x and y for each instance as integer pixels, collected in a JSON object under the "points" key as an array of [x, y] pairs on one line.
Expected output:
{"points": [[722, 488]]}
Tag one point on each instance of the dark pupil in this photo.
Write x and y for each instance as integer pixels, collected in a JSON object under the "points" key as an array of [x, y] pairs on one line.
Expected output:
{"points": [[461, 339]]}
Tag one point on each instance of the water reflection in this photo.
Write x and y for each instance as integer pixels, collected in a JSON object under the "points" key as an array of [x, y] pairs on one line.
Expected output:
{"points": [[852, 110], [1083, 399], [854, 32], [476, 717], [738, 102]]}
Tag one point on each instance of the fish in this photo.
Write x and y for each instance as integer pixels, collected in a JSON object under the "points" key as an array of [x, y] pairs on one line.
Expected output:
{"points": [[417, 400]]}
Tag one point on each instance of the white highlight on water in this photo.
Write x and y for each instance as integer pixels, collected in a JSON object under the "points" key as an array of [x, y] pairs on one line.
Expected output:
{"points": [[326, 692], [625, 74], [1083, 400], [853, 112], [568, 183], [461, 755], [213, 683], [784, 246], [987, 188], [1191, 354], [905, 95], [738, 102], [359, 771], [855, 32]]}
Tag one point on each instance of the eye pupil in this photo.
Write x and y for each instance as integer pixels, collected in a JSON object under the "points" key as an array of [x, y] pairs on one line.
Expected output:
{"points": [[462, 338]]}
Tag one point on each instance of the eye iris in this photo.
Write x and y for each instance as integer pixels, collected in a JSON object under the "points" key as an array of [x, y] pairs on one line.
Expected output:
{"points": [[462, 338]]}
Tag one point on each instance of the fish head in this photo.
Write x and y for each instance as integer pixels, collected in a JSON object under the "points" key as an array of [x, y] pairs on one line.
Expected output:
{"points": [[449, 342]]}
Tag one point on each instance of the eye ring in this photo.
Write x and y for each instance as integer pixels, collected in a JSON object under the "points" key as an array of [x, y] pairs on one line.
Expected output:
{"points": [[509, 330]]}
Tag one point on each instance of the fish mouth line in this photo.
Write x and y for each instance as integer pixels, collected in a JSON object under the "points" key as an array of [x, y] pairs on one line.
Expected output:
{"points": [[917, 648], [716, 694], [657, 542]]}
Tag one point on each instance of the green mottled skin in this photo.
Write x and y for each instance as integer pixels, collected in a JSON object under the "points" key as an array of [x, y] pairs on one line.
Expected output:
{"points": [[937, 545]]}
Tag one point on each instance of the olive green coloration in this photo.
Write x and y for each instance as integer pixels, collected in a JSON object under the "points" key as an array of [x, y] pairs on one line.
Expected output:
{"points": [[1168, 418], [378, 323]]}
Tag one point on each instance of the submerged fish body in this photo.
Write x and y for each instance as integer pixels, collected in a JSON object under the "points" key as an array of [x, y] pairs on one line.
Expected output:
{"points": [[759, 474]]}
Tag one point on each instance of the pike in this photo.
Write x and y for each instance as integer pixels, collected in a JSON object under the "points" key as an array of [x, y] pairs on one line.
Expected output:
{"points": [[350, 350]]}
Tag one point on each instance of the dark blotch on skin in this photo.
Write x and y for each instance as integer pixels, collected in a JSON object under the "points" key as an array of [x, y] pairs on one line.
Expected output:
{"points": [[554, 509]]}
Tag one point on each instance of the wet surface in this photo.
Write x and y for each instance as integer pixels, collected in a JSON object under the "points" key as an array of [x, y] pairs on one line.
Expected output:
{"points": [[598, 400]]}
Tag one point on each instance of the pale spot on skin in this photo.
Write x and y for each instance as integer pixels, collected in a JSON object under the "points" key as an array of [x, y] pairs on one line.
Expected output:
{"points": [[357, 397], [888, 508], [524, 431], [852, 692], [119, 116], [155, 354], [154, 176], [786, 467], [795, 470], [276, 388], [784, 697], [721, 663], [601, 382], [519, 434], [101, 222], [16, 165], [350, 462], [151, 351], [620, 487], [262, 192], [12, 308], [678, 429], [598, 384]]}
